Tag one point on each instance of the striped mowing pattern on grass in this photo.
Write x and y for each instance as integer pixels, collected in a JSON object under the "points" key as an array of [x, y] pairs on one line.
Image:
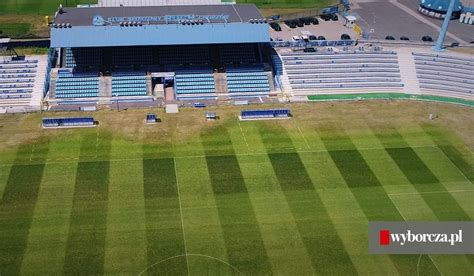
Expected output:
{"points": [[443, 205], [163, 218], [458, 159], [17, 207], [85, 251], [368, 191], [244, 244], [314, 225], [51, 220], [219, 206]]}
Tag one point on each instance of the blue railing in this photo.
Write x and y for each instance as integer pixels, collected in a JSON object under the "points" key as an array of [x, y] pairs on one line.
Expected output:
{"points": [[48, 71]]}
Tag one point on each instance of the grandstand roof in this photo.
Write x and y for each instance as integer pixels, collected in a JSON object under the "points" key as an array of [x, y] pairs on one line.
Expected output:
{"points": [[85, 16], [103, 27]]}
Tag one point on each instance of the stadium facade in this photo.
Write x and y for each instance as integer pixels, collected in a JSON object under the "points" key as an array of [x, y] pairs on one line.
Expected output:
{"points": [[171, 25], [182, 52], [153, 3]]}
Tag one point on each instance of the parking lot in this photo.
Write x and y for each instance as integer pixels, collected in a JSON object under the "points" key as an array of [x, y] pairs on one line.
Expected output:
{"points": [[386, 18], [331, 30]]}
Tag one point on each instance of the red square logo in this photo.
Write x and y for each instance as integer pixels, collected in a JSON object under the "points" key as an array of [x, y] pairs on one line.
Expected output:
{"points": [[384, 237]]}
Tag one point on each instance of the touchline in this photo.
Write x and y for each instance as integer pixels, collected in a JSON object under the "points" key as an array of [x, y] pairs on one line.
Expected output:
{"points": [[409, 237]]}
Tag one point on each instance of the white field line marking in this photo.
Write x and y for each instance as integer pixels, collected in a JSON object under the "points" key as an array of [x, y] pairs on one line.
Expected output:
{"points": [[459, 170], [429, 256], [32, 150], [61, 160], [401, 214], [97, 144], [243, 135], [302, 135], [406, 220], [181, 214], [434, 192], [198, 255], [418, 265]]}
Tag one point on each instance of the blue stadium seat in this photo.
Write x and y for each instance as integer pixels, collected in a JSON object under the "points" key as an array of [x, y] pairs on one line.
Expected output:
{"points": [[129, 84], [71, 85], [195, 85], [247, 82]]}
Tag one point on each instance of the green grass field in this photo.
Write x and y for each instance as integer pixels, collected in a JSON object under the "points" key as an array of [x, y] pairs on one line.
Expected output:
{"points": [[15, 29], [190, 197]]}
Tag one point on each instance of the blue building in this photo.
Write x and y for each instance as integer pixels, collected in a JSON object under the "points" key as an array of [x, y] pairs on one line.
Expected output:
{"points": [[149, 49], [438, 8]]}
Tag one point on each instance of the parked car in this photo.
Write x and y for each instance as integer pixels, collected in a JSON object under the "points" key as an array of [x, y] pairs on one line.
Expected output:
{"points": [[325, 17], [321, 37], [427, 38], [290, 23], [345, 37], [334, 17], [312, 37], [275, 26], [389, 37], [275, 17], [299, 23], [296, 38], [314, 21], [306, 20], [404, 38], [309, 50]]}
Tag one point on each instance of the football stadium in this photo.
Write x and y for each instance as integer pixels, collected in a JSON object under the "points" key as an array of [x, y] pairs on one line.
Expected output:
{"points": [[209, 137]]}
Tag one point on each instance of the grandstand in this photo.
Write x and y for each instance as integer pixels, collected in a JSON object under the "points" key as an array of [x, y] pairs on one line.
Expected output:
{"points": [[359, 70], [132, 54], [22, 82], [198, 85], [444, 74], [246, 82], [136, 52], [343, 70]]}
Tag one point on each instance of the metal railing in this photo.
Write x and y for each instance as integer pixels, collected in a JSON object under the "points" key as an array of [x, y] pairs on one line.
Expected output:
{"points": [[315, 43]]}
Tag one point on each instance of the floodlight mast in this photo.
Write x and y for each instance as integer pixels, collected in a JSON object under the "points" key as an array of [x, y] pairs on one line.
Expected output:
{"points": [[444, 29]]}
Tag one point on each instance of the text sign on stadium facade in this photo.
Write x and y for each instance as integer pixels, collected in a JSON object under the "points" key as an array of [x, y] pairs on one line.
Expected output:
{"points": [[168, 18]]}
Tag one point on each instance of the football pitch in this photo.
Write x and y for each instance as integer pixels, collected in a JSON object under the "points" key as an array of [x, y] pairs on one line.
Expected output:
{"points": [[190, 197]]}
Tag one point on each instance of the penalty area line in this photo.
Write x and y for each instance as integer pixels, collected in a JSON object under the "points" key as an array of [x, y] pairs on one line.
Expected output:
{"points": [[243, 135]]}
